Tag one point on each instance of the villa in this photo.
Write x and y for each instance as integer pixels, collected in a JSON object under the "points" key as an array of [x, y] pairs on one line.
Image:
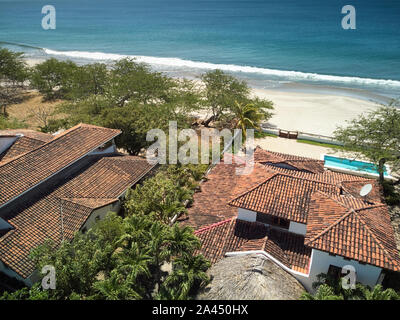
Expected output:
{"points": [[306, 219], [54, 186]]}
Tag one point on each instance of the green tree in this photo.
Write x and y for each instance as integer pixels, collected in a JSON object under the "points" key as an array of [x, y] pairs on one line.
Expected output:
{"points": [[324, 292], [376, 136], [130, 80], [221, 91], [13, 73], [87, 80], [249, 116], [53, 78], [188, 275], [158, 197]]}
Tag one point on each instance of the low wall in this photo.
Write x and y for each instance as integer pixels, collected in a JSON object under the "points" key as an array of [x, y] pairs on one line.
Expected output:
{"points": [[318, 138]]}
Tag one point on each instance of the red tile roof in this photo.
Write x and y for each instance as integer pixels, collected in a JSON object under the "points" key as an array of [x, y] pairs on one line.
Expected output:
{"points": [[100, 182], [29, 169], [234, 235], [338, 219], [20, 146], [360, 232], [41, 136], [283, 196], [295, 162], [222, 184]]}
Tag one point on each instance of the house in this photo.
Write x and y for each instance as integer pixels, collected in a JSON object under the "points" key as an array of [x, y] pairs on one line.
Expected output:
{"points": [[53, 186], [306, 219]]}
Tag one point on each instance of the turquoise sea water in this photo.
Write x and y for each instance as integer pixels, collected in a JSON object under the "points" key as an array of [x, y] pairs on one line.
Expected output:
{"points": [[268, 42]]}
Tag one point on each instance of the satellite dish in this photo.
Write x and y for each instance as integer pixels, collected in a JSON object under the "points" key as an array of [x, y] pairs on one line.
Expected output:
{"points": [[365, 190]]}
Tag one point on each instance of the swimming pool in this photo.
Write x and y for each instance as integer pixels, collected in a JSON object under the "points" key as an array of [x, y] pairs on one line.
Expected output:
{"points": [[353, 165]]}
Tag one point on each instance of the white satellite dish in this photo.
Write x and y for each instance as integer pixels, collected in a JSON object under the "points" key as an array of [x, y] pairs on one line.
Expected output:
{"points": [[365, 190]]}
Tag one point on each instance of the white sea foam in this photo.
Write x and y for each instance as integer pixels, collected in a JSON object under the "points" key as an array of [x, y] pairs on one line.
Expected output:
{"points": [[181, 63]]}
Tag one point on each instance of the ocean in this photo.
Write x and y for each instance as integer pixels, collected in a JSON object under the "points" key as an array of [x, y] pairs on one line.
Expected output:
{"points": [[292, 44]]}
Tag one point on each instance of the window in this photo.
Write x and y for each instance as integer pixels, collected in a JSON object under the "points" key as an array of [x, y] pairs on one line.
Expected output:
{"points": [[334, 272], [273, 221]]}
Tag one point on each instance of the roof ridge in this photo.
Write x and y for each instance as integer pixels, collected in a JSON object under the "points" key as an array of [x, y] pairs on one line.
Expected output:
{"points": [[307, 179], [373, 235], [354, 212], [335, 200], [56, 137], [83, 198], [253, 188], [330, 226], [212, 226]]}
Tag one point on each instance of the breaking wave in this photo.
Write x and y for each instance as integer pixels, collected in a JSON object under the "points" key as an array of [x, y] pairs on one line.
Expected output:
{"points": [[181, 63]]}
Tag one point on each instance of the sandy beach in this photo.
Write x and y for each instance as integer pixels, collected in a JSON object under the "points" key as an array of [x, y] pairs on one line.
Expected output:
{"points": [[317, 113], [313, 112]]}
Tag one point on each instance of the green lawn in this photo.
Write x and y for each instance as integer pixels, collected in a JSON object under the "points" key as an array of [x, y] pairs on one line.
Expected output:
{"points": [[262, 134]]}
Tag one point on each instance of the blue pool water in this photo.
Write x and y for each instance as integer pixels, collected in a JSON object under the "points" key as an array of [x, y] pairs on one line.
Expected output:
{"points": [[354, 165]]}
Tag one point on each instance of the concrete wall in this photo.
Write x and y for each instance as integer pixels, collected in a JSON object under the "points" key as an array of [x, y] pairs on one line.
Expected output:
{"points": [[271, 131], [6, 142], [299, 228], [111, 149], [305, 136], [247, 215], [100, 213]]}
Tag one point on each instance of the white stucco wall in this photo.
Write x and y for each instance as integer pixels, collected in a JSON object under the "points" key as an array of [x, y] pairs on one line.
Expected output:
{"points": [[299, 228], [110, 149], [247, 215], [320, 262], [100, 213]]}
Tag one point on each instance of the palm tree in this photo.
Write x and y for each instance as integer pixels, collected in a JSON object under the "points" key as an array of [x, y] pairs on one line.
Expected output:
{"points": [[188, 272], [379, 294], [324, 292], [117, 287], [248, 116], [182, 241]]}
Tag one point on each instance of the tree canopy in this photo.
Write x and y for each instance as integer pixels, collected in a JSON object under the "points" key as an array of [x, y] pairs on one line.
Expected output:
{"points": [[376, 136], [13, 73], [140, 255]]}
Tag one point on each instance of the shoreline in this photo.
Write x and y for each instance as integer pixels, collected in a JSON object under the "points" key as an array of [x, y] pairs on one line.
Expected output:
{"points": [[306, 108]]}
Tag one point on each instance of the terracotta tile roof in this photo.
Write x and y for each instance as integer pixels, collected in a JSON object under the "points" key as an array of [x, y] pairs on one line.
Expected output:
{"points": [[295, 162], [27, 170], [20, 146], [353, 188], [338, 219], [327, 176], [234, 235], [364, 234], [98, 183], [91, 203], [41, 136], [222, 184], [283, 196]]}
